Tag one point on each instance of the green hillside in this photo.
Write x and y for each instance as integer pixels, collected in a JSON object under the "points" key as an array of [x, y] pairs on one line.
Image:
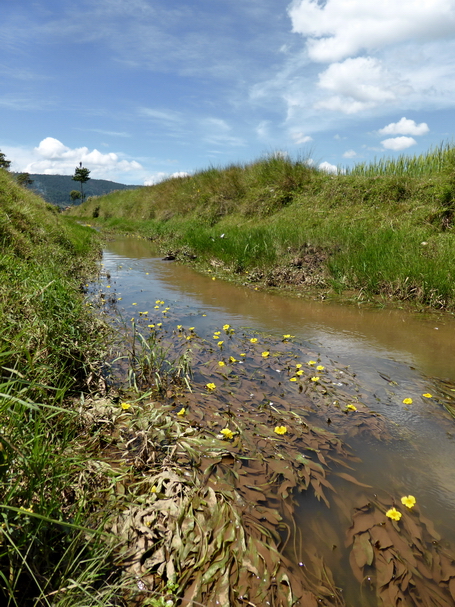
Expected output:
{"points": [[382, 232], [56, 188], [50, 343]]}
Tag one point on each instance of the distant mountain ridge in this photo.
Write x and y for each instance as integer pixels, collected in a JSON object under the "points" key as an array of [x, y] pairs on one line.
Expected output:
{"points": [[56, 188]]}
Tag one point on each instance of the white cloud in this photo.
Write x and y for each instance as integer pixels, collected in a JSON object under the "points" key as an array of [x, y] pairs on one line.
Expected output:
{"points": [[328, 168], [262, 129], [300, 137], [337, 29], [359, 84], [398, 143], [405, 127], [52, 157], [161, 176], [349, 154]]}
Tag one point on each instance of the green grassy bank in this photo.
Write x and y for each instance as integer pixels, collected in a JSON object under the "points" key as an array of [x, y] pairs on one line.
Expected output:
{"points": [[49, 347], [381, 232]]}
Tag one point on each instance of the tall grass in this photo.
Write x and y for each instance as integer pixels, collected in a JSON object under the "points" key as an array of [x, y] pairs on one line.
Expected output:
{"points": [[49, 345], [274, 215], [434, 162]]}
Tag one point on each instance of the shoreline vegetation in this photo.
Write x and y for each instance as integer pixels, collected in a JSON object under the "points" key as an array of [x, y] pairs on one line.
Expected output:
{"points": [[379, 233], [177, 487], [51, 348]]}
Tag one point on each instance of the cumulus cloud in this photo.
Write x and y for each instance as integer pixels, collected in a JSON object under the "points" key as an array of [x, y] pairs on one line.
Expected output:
{"points": [[405, 127], [328, 168], [337, 29], [398, 143], [52, 157], [359, 84], [161, 176], [349, 154]]}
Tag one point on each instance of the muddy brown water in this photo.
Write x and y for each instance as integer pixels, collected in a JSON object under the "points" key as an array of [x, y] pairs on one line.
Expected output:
{"points": [[393, 353]]}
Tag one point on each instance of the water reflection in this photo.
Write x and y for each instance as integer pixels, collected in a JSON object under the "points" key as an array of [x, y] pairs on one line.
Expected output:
{"points": [[426, 342], [380, 346]]}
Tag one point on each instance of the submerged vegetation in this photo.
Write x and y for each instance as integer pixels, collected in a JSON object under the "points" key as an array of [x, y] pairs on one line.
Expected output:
{"points": [[226, 467], [199, 471], [381, 232]]}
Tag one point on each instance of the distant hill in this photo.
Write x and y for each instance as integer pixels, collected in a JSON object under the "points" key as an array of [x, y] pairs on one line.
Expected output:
{"points": [[56, 188]]}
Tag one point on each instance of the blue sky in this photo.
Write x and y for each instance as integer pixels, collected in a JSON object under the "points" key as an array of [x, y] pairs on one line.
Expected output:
{"points": [[139, 90]]}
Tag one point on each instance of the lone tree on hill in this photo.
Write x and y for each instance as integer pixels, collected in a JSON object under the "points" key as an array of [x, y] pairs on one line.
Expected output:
{"points": [[24, 179], [75, 195], [81, 174], [4, 163]]}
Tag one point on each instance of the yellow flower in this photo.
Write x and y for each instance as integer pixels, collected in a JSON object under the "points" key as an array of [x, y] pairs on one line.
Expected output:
{"points": [[393, 514], [221, 363], [161, 302], [182, 412], [220, 343], [125, 406], [226, 327], [151, 326], [191, 329], [409, 501], [232, 359], [153, 489], [216, 332], [351, 408], [253, 340], [265, 354], [134, 304], [227, 434], [320, 368], [281, 430], [287, 336], [242, 354], [211, 386], [407, 401], [299, 372], [119, 298], [108, 286], [213, 278], [156, 307], [293, 379], [427, 395], [157, 301], [179, 327], [298, 366], [315, 379], [311, 362]]}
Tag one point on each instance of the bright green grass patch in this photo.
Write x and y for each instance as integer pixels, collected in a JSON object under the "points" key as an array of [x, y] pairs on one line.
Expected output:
{"points": [[49, 344], [368, 226]]}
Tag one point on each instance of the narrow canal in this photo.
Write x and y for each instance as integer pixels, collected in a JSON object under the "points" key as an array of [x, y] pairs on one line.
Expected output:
{"points": [[390, 356]]}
